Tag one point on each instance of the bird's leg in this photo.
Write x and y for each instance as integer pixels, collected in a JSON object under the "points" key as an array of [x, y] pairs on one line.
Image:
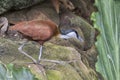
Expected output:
{"points": [[21, 50], [40, 53]]}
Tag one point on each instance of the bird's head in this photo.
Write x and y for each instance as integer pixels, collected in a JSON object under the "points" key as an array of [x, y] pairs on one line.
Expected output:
{"points": [[71, 33]]}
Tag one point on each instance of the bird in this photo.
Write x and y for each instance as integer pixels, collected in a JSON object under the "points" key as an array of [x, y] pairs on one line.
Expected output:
{"points": [[41, 31]]}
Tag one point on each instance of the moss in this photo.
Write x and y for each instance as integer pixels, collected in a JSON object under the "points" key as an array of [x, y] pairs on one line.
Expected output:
{"points": [[54, 75], [63, 71], [87, 29], [19, 4], [69, 72], [50, 51], [57, 52], [38, 70], [6, 5], [10, 51]]}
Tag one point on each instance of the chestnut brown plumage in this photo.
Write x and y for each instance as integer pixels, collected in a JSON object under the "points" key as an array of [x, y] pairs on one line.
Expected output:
{"points": [[37, 30]]}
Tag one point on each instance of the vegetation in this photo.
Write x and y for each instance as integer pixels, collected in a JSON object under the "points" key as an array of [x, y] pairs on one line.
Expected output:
{"points": [[107, 21], [9, 72]]}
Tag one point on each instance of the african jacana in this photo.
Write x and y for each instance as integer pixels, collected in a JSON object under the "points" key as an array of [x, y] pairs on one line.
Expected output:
{"points": [[41, 31]]}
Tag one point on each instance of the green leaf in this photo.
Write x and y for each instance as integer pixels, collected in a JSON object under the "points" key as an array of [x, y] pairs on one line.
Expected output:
{"points": [[9, 72], [2, 72], [107, 21]]}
